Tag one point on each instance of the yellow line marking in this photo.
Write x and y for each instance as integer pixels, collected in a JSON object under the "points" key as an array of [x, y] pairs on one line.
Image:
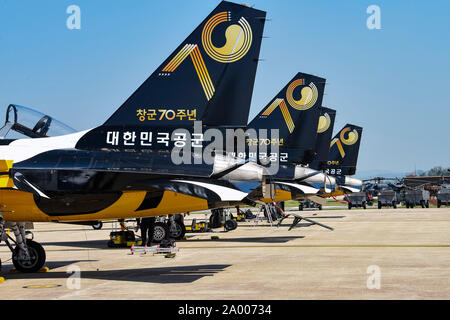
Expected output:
{"points": [[324, 246], [42, 286]]}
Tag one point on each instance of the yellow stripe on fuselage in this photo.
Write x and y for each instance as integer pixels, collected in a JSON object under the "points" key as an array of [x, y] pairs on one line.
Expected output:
{"points": [[20, 206]]}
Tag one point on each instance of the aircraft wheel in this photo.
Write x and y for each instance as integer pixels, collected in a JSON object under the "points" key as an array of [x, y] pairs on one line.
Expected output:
{"points": [[36, 261], [177, 230], [160, 232], [230, 225], [215, 220], [97, 226]]}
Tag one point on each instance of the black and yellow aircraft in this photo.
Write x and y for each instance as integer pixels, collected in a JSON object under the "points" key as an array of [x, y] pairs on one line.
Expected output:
{"points": [[124, 167]]}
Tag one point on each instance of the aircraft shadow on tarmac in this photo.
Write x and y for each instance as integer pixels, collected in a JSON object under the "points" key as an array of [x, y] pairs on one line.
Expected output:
{"points": [[50, 264], [101, 244], [90, 244], [249, 239], [184, 274]]}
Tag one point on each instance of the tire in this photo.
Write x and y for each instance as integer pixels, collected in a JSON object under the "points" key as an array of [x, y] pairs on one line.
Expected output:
{"points": [[230, 225], [177, 230], [98, 225], [320, 207], [160, 232], [37, 254], [215, 220]]}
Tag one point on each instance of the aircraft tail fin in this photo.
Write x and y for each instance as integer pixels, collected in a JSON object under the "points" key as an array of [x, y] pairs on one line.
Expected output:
{"points": [[209, 77], [344, 150], [294, 111], [324, 134]]}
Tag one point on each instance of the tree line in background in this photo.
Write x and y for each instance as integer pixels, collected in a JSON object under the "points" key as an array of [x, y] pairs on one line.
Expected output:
{"points": [[435, 171]]}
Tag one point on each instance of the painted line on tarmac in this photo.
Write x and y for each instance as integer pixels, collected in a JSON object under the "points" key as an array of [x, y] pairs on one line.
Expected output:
{"points": [[325, 246], [275, 246]]}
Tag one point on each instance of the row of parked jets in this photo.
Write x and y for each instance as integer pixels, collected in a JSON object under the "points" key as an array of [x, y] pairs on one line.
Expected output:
{"points": [[180, 143]]}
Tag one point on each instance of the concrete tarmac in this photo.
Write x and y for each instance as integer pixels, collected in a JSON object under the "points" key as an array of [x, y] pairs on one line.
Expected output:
{"points": [[371, 254]]}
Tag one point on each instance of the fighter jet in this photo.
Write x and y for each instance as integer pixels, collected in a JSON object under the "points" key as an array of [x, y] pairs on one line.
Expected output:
{"points": [[124, 167]]}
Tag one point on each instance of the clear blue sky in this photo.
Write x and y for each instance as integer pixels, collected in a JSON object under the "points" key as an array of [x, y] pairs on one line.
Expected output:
{"points": [[393, 82]]}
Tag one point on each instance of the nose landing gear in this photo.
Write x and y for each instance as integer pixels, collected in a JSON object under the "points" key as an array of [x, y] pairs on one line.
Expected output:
{"points": [[27, 255]]}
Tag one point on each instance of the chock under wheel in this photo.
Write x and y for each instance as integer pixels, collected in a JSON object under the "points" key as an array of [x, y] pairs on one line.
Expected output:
{"points": [[41, 270]]}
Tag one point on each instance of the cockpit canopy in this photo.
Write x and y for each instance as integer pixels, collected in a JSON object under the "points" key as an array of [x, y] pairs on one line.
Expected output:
{"points": [[31, 123]]}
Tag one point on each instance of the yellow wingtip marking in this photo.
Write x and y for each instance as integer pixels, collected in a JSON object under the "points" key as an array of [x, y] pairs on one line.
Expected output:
{"points": [[6, 182], [6, 165]]}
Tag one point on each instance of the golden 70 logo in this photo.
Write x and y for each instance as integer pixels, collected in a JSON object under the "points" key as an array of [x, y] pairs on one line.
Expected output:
{"points": [[351, 139], [238, 43], [308, 99]]}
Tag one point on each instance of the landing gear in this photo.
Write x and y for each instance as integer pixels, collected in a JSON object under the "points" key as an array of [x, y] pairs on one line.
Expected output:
{"points": [[32, 262], [27, 255], [230, 225], [177, 228], [160, 232], [222, 218], [215, 220]]}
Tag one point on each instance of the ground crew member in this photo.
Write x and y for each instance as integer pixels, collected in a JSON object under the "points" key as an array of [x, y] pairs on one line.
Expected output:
{"points": [[147, 229]]}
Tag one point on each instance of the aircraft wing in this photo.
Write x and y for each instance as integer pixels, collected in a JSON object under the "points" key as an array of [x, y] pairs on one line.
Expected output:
{"points": [[212, 190], [297, 187], [349, 189]]}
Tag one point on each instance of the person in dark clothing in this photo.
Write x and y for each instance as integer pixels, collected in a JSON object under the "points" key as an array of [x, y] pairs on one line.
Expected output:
{"points": [[147, 229]]}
